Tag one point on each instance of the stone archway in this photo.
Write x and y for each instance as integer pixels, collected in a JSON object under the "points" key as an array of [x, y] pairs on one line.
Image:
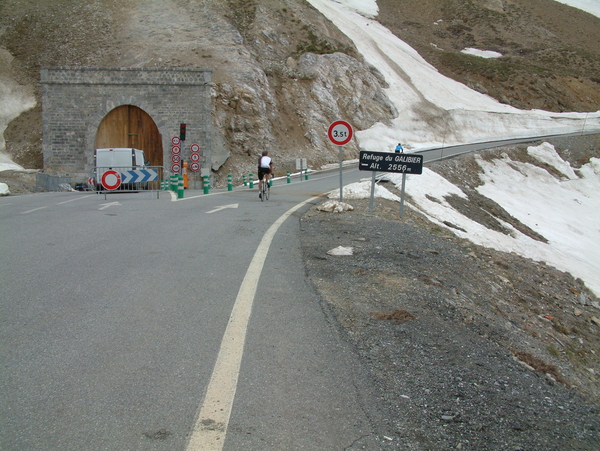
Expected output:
{"points": [[130, 126]]}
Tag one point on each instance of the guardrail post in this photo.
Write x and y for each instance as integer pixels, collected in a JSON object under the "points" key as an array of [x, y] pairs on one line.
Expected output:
{"points": [[289, 177], [206, 184], [229, 182], [306, 174], [245, 181], [251, 181], [180, 190]]}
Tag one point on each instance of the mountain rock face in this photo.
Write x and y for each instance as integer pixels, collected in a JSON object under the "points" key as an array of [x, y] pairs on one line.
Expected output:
{"points": [[282, 72]]}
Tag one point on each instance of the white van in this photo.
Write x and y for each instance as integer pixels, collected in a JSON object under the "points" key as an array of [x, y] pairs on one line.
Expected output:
{"points": [[117, 159]]}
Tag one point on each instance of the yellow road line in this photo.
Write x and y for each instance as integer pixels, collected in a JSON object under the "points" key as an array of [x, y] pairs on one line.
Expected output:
{"points": [[213, 416]]}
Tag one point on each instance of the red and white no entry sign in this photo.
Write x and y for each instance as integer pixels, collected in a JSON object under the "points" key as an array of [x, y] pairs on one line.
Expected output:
{"points": [[176, 159], [195, 167], [175, 150], [111, 180], [195, 148], [340, 133], [176, 168], [175, 140]]}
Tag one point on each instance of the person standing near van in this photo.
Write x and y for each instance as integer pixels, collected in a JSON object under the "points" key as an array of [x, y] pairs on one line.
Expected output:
{"points": [[265, 170]]}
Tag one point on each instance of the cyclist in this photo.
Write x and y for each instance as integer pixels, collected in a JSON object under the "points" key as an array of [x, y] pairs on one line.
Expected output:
{"points": [[265, 170]]}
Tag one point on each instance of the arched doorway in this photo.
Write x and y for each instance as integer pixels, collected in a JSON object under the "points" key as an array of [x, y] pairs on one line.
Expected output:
{"points": [[130, 126]]}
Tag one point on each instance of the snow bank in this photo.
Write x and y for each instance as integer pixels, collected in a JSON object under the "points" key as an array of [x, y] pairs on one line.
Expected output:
{"points": [[565, 210]]}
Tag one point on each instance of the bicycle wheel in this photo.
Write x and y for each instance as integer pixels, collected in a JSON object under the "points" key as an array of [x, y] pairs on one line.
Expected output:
{"points": [[262, 192], [267, 189]]}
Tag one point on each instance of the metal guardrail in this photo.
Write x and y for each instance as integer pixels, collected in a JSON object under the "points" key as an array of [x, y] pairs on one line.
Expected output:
{"points": [[126, 179]]}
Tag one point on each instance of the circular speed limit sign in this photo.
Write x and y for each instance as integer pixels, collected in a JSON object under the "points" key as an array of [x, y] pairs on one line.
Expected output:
{"points": [[340, 133]]}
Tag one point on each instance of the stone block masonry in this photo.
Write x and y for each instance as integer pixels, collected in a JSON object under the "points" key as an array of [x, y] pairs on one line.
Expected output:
{"points": [[75, 100]]}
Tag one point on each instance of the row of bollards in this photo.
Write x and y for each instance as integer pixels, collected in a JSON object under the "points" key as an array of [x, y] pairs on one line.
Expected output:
{"points": [[175, 182]]}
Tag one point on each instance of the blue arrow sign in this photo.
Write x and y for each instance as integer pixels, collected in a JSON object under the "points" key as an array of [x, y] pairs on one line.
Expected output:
{"points": [[139, 175]]}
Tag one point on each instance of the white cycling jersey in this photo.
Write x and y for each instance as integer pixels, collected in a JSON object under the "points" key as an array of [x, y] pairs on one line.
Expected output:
{"points": [[265, 162]]}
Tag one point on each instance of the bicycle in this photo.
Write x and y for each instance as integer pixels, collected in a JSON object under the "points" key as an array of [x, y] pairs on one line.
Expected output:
{"points": [[265, 190]]}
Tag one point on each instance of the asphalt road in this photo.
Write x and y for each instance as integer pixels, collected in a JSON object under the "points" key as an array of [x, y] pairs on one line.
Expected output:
{"points": [[114, 314]]}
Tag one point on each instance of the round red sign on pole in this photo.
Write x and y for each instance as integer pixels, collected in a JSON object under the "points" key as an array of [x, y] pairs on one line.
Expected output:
{"points": [[175, 150], [175, 140], [195, 156], [176, 168], [194, 167], [195, 148], [340, 133], [176, 159], [111, 180]]}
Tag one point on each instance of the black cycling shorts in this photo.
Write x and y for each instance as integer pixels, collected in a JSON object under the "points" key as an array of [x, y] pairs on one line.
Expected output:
{"points": [[262, 172]]}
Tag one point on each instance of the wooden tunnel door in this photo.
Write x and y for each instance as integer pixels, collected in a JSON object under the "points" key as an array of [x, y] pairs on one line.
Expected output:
{"points": [[130, 126]]}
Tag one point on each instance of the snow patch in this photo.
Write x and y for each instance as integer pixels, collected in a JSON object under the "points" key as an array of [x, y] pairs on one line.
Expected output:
{"points": [[335, 206], [4, 191], [341, 250], [481, 53]]}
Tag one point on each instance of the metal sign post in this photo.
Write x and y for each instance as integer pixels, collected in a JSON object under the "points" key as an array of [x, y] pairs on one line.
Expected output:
{"points": [[301, 164], [372, 193], [402, 195], [389, 162], [340, 133]]}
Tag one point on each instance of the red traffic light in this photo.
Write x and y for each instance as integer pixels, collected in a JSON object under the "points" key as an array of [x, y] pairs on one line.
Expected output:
{"points": [[182, 132]]}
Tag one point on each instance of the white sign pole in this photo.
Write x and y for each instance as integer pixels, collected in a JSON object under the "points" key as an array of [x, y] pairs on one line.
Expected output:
{"points": [[341, 172], [340, 133]]}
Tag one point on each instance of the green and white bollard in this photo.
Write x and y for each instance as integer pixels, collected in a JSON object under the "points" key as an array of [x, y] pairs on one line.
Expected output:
{"points": [[229, 182], [251, 178], [173, 182], [245, 181], [206, 184], [306, 174], [180, 190], [289, 177]]}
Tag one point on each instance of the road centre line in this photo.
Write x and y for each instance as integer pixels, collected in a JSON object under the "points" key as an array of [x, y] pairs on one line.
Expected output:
{"points": [[73, 200], [35, 209], [211, 424], [174, 197]]}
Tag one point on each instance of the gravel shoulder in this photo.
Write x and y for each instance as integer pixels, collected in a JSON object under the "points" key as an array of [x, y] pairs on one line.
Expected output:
{"points": [[470, 348]]}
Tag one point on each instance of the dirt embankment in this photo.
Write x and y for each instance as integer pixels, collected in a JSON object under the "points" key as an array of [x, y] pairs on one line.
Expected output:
{"points": [[471, 348]]}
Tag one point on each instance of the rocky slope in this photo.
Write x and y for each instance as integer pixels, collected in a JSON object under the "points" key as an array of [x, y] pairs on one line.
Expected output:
{"points": [[283, 73]]}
